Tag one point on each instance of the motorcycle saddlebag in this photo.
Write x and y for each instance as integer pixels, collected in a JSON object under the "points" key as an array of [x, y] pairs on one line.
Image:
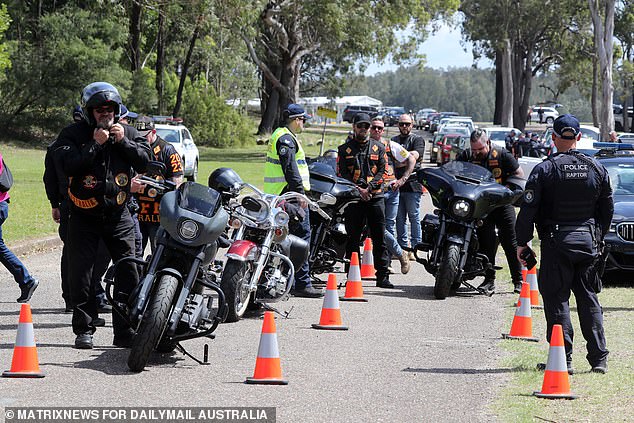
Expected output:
{"points": [[296, 249]]}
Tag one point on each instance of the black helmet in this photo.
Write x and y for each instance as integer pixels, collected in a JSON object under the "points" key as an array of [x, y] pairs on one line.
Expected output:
{"points": [[225, 180], [78, 115], [99, 94]]}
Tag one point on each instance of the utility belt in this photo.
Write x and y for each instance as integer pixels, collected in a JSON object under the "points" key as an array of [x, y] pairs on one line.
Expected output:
{"points": [[572, 228]]}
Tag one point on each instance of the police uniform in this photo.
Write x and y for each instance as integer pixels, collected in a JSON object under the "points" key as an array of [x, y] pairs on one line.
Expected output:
{"points": [[99, 187], [569, 199], [365, 165], [502, 164], [148, 198], [286, 170]]}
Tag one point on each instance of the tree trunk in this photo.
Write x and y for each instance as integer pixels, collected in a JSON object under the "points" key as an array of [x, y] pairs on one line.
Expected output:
{"points": [[603, 22], [499, 93], [181, 85], [135, 36], [595, 92], [506, 114], [160, 59]]}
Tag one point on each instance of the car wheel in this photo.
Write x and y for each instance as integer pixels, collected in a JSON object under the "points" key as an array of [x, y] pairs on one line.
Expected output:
{"points": [[550, 120]]}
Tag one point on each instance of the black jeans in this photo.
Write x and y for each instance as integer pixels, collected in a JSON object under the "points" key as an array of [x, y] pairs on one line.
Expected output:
{"points": [[371, 213], [302, 230], [504, 219], [567, 265], [84, 235]]}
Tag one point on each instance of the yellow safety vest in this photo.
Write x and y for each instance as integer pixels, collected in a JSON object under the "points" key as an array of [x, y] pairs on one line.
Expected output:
{"points": [[274, 180]]}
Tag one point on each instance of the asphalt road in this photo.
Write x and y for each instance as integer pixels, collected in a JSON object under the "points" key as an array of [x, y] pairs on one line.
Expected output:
{"points": [[407, 357]]}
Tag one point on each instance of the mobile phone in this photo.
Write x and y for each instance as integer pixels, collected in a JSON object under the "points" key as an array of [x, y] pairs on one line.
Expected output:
{"points": [[528, 256]]}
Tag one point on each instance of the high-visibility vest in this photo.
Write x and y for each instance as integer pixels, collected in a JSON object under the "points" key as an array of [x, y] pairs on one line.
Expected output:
{"points": [[274, 180]]}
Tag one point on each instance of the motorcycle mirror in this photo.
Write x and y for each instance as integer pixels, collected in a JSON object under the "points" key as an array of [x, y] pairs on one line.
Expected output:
{"points": [[327, 199]]}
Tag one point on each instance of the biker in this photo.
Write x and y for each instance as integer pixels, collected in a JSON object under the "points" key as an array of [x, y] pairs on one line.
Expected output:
{"points": [[502, 165], [148, 197], [98, 155], [286, 170], [397, 156], [362, 161]]}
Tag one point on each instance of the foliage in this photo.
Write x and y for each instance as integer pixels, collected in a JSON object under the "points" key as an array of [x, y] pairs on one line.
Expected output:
{"points": [[4, 55]]}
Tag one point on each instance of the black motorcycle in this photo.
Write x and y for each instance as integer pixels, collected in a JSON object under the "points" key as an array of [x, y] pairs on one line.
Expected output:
{"points": [[328, 236], [464, 194], [178, 297]]}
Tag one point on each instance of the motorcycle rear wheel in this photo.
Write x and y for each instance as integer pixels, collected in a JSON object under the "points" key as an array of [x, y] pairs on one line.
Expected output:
{"points": [[235, 277], [153, 324], [447, 271]]}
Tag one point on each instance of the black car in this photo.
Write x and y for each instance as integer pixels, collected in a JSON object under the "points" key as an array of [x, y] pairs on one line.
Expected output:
{"points": [[392, 114], [619, 242], [351, 111]]}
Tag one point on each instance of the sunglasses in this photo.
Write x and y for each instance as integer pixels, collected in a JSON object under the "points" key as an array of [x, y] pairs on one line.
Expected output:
{"points": [[104, 110], [377, 128], [363, 125], [404, 124]]}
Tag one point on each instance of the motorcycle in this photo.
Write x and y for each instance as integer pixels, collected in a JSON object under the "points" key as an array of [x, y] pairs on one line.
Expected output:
{"points": [[328, 235], [261, 261], [464, 194], [178, 297]]}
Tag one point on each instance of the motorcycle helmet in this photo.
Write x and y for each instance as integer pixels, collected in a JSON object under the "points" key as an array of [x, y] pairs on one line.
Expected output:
{"points": [[224, 180], [78, 115], [99, 94]]}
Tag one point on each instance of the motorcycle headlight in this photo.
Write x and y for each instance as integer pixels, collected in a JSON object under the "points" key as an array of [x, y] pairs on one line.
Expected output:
{"points": [[461, 208], [281, 218], [188, 229]]}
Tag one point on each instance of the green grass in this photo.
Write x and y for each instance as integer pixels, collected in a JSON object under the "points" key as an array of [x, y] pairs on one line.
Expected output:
{"points": [[602, 398]]}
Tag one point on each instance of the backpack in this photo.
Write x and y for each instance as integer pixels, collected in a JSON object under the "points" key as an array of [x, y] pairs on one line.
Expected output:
{"points": [[6, 178]]}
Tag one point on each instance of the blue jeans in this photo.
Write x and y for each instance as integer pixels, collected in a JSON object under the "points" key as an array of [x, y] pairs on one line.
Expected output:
{"points": [[391, 209], [8, 259], [409, 207]]}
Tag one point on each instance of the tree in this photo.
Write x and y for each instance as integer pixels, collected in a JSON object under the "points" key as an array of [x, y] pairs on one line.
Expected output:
{"points": [[602, 13], [624, 32], [331, 35], [5, 20]]}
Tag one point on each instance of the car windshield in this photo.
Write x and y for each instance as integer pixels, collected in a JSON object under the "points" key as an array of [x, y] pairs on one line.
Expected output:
{"points": [[621, 177], [497, 135], [169, 135], [468, 170]]}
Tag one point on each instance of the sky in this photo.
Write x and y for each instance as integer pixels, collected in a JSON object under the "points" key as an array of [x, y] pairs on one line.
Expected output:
{"points": [[443, 50]]}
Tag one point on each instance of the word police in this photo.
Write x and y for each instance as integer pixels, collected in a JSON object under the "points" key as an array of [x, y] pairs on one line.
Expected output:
{"points": [[575, 170]]}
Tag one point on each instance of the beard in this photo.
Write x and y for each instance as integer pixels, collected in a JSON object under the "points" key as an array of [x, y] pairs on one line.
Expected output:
{"points": [[105, 122]]}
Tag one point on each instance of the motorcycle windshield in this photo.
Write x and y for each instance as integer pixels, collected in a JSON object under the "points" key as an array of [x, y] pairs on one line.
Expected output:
{"points": [[467, 170], [198, 199]]}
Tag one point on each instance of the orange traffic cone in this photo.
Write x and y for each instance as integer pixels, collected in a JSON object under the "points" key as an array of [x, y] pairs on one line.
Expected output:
{"points": [[556, 384], [522, 326], [354, 288], [531, 279], [330, 312], [268, 370], [524, 273], [25, 363], [367, 263]]}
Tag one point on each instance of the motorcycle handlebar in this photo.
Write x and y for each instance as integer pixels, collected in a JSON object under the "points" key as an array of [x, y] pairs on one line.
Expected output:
{"points": [[165, 185]]}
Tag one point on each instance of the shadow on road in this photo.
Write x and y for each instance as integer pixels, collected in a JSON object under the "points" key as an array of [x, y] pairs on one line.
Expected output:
{"points": [[113, 361], [36, 311], [445, 370], [36, 326]]}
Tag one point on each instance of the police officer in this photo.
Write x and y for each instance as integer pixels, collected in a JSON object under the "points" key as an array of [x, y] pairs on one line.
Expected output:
{"points": [[98, 155], [362, 160], [502, 165], [148, 197], [286, 170], [569, 198]]}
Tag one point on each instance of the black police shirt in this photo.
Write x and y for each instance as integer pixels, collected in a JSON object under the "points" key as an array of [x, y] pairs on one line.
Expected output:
{"points": [[500, 162]]}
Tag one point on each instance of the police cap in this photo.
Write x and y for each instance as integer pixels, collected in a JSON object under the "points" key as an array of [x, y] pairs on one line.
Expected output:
{"points": [[566, 127]]}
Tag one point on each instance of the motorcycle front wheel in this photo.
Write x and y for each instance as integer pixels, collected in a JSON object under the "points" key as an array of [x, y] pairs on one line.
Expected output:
{"points": [[153, 324], [235, 286], [447, 271]]}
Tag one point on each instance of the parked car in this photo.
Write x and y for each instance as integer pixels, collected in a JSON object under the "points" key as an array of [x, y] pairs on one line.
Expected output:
{"points": [[462, 130], [627, 137], [421, 117], [436, 142], [429, 119], [449, 147], [433, 127], [179, 136], [618, 116], [351, 111], [392, 114], [457, 121], [619, 241], [549, 114], [497, 134]]}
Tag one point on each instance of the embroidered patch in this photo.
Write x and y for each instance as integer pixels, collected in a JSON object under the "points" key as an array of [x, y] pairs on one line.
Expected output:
{"points": [[375, 148], [493, 162], [374, 156], [152, 192], [497, 172], [494, 153], [121, 179], [89, 181], [529, 196], [283, 151], [348, 150], [121, 198], [578, 171]]}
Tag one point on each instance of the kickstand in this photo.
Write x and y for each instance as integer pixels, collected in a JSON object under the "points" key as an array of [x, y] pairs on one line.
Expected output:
{"points": [[205, 361], [480, 290], [274, 310]]}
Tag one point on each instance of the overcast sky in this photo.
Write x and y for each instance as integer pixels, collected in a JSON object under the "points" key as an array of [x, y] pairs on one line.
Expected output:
{"points": [[443, 50]]}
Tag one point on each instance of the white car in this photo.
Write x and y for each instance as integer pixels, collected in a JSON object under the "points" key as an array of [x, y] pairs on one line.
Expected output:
{"points": [[548, 116], [497, 134], [456, 121], [178, 135]]}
